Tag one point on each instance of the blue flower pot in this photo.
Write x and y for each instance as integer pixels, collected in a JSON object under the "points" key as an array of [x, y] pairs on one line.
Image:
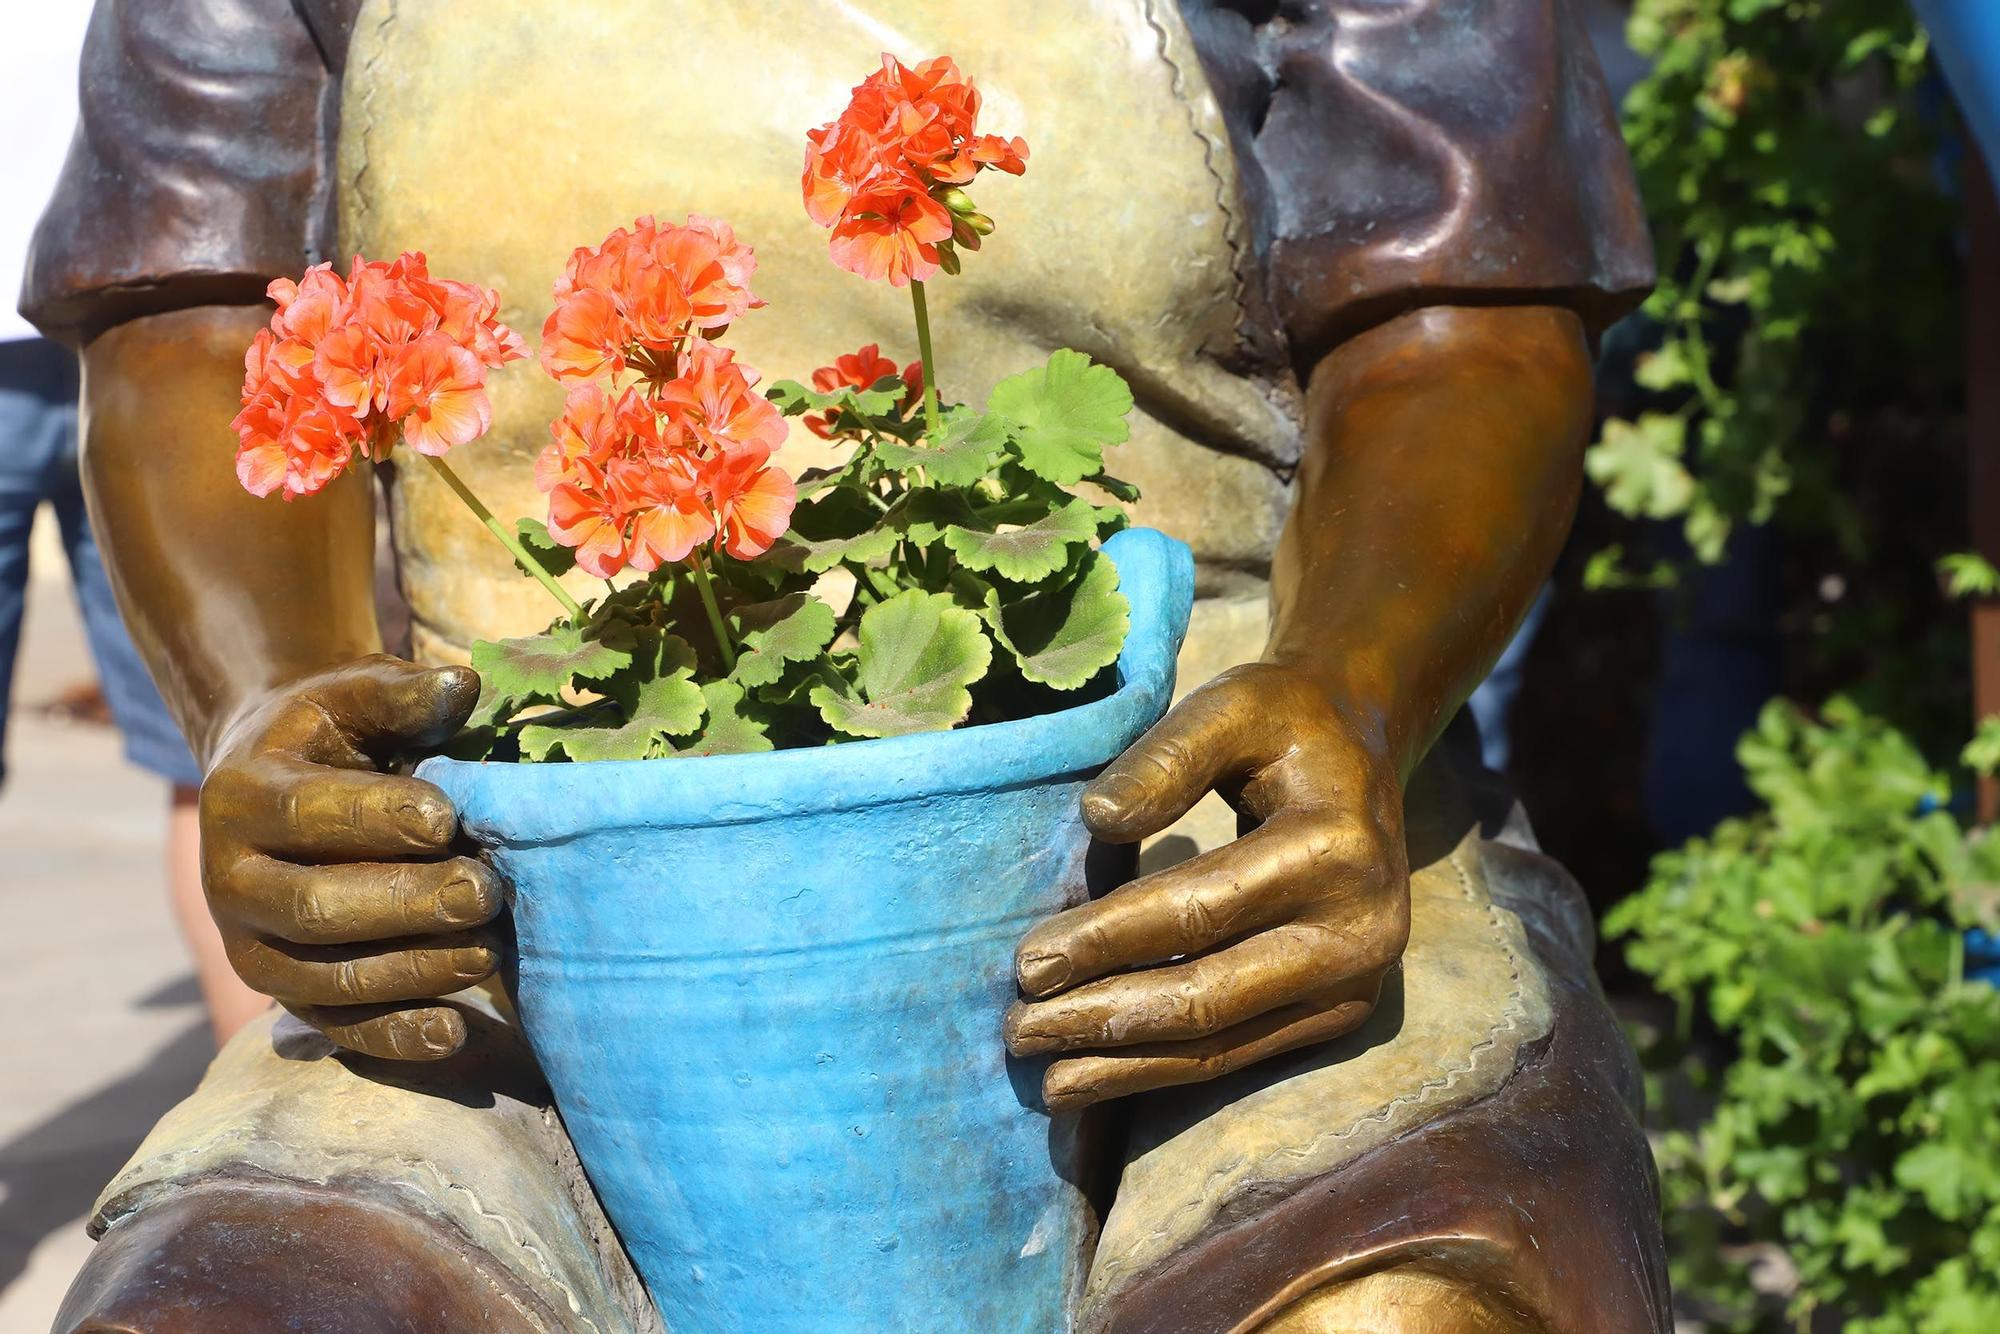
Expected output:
{"points": [[767, 992]]}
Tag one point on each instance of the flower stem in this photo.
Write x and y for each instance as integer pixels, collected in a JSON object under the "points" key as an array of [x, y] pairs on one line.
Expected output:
{"points": [[706, 588], [507, 539], [931, 427]]}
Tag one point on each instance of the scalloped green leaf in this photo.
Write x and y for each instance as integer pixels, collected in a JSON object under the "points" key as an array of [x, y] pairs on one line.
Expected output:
{"points": [[923, 516], [541, 667], [550, 554], [1064, 415], [842, 525], [918, 653], [1030, 552], [772, 634], [668, 705], [1064, 633], [960, 457], [735, 726]]}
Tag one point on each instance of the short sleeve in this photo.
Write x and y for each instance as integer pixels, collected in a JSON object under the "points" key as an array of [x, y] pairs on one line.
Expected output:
{"points": [[1397, 153], [198, 168]]}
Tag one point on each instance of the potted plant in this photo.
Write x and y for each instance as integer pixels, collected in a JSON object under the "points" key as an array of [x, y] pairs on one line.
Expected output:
{"points": [[765, 974]]}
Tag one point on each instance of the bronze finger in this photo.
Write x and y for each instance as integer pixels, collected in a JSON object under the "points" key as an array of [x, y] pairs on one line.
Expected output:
{"points": [[293, 808], [334, 975], [1078, 1081], [1193, 999], [390, 1032], [350, 902]]}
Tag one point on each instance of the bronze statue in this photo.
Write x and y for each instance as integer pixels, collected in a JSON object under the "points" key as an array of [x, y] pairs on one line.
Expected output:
{"points": [[1351, 256]]}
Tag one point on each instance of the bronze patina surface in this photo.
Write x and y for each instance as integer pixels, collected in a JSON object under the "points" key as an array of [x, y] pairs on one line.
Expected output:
{"points": [[1351, 257]]}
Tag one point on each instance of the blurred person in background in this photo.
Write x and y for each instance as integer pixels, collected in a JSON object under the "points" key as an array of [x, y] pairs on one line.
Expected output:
{"points": [[39, 46]]}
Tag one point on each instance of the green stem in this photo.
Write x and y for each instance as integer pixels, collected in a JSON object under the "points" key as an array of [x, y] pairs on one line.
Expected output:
{"points": [[706, 588], [507, 538], [930, 365]]}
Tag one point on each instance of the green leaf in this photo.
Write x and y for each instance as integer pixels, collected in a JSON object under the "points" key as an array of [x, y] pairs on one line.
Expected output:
{"points": [[791, 629], [1030, 552], [735, 725], [1114, 486], [541, 667], [960, 457], [842, 525], [1967, 573], [918, 653], [667, 705], [1982, 753], [1664, 369], [1639, 466], [794, 398], [1064, 634], [1064, 414], [550, 554]]}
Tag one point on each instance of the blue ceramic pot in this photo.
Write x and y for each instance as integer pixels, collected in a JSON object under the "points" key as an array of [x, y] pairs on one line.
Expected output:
{"points": [[767, 992]]}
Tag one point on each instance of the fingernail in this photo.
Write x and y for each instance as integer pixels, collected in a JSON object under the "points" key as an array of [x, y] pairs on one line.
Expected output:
{"points": [[474, 964], [466, 901], [1015, 1031], [1108, 798], [437, 1033], [1041, 973]]}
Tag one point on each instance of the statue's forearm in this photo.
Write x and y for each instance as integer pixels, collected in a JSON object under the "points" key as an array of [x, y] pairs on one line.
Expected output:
{"points": [[226, 595], [1443, 460]]}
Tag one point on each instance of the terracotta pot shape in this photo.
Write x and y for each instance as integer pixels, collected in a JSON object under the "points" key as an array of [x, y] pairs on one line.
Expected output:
{"points": [[767, 992]]}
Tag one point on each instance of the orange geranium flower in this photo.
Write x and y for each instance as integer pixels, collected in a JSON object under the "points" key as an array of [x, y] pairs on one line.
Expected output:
{"points": [[753, 503], [887, 175], [437, 390], [636, 298], [863, 368], [345, 361], [291, 444], [644, 475]]}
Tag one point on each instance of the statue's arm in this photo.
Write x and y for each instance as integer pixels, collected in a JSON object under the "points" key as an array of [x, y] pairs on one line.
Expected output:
{"points": [[1443, 461], [330, 878], [1441, 470]]}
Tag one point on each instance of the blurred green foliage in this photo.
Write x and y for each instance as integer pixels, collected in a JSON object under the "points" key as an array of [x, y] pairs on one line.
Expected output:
{"points": [[1830, 1095], [1852, 1126], [1789, 168]]}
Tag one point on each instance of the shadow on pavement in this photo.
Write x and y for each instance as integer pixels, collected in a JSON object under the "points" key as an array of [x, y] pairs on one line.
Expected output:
{"points": [[51, 1172]]}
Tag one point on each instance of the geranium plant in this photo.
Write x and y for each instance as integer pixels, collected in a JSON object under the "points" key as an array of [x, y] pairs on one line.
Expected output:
{"points": [[945, 571]]}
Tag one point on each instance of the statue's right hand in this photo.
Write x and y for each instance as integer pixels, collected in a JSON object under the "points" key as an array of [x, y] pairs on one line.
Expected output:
{"points": [[331, 880]]}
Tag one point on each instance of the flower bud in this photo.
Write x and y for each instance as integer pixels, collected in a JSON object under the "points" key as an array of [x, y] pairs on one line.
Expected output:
{"points": [[956, 200], [962, 234], [947, 258]]}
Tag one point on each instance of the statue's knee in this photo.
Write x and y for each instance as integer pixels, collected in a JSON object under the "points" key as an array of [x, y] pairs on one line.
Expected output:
{"points": [[242, 1258], [1405, 1299]]}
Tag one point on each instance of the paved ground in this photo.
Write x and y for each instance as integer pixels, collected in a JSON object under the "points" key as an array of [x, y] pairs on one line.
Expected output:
{"points": [[100, 1026]]}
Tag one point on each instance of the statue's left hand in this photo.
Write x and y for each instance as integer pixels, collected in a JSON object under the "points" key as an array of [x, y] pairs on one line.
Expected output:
{"points": [[1274, 942]]}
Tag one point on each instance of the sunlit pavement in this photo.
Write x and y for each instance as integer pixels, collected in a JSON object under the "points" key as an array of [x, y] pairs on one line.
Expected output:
{"points": [[100, 1026]]}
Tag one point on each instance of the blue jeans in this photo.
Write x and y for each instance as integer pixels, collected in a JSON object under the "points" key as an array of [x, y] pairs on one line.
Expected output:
{"points": [[38, 462]]}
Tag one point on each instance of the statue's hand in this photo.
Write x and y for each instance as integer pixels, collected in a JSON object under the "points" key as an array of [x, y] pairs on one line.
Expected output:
{"points": [[332, 880], [1276, 941]]}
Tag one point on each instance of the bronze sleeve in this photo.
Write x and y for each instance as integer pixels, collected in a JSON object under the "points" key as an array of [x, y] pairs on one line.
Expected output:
{"points": [[1430, 152], [198, 169]]}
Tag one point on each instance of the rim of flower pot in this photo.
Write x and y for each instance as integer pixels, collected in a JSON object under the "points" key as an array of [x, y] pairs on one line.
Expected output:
{"points": [[550, 803]]}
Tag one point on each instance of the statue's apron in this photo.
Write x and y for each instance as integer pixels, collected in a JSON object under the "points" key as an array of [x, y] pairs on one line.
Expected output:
{"points": [[497, 137]]}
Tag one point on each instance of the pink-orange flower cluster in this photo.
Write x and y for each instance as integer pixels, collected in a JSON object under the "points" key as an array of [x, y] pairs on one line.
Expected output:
{"points": [[644, 475], [345, 361], [863, 369], [887, 176], [633, 300]]}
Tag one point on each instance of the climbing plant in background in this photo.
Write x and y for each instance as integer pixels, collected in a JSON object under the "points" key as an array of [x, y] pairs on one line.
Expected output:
{"points": [[1787, 151]]}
